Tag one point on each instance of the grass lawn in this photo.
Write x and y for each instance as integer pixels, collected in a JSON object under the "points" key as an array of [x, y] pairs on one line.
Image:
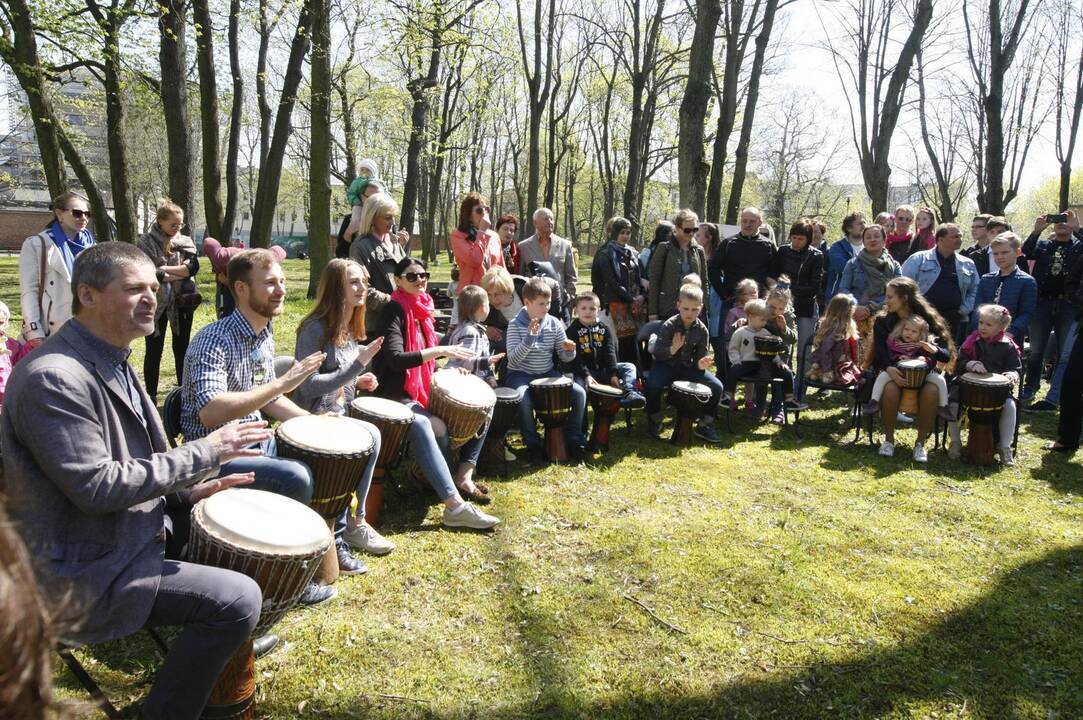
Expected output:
{"points": [[764, 577]]}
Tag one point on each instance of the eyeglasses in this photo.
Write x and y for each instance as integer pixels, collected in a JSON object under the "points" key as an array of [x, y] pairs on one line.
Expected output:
{"points": [[415, 276], [77, 213], [689, 230], [481, 209]]}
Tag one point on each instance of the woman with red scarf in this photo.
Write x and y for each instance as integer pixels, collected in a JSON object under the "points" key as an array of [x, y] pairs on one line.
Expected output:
{"points": [[405, 367]]}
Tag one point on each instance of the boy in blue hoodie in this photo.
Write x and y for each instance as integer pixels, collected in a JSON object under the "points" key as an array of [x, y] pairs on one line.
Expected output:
{"points": [[533, 338]]}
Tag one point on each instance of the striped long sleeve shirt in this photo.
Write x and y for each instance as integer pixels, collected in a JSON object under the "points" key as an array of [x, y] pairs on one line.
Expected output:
{"points": [[533, 354]]}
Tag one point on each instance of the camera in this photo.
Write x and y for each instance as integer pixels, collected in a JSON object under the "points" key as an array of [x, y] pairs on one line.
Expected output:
{"points": [[1057, 218]]}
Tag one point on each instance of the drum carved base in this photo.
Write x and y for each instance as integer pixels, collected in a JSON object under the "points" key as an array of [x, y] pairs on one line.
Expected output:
{"points": [[233, 696], [556, 447], [979, 445], [327, 572], [682, 431]]}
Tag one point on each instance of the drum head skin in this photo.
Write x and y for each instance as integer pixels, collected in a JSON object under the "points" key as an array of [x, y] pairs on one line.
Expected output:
{"points": [[507, 394], [384, 408], [607, 390], [264, 522], [331, 434], [550, 381], [692, 388], [912, 365], [464, 389], [990, 379]]}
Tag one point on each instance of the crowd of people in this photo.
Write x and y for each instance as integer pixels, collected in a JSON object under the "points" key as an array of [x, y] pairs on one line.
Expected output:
{"points": [[103, 504]]}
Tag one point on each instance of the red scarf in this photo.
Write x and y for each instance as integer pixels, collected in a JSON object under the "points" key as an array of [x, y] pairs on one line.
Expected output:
{"points": [[971, 344], [418, 333]]}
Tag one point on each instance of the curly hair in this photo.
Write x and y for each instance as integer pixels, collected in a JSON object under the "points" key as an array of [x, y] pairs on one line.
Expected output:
{"points": [[910, 293]]}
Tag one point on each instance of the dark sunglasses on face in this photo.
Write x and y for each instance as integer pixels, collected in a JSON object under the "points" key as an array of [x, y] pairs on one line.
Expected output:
{"points": [[689, 230], [416, 276], [78, 214]]}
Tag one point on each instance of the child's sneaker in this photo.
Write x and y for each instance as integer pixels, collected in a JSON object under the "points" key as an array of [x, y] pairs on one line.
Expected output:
{"points": [[633, 400], [870, 408], [708, 433], [920, 455], [887, 449], [1007, 457], [794, 404]]}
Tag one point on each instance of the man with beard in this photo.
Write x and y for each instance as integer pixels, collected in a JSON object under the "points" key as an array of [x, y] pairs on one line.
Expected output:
{"points": [[229, 376]]}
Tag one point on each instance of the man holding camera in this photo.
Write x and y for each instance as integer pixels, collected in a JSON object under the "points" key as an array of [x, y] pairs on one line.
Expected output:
{"points": [[1051, 257]]}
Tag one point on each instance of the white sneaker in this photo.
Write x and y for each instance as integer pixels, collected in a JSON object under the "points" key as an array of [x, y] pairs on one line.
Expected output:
{"points": [[904, 419], [920, 455], [1006, 456], [887, 449], [468, 516], [365, 538]]}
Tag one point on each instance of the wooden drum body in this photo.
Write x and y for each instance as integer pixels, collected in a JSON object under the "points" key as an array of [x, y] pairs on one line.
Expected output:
{"points": [[553, 404], [984, 397], [688, 398], [464, 402], [914, 373], [505, 417], [605, 401], [393, 420], [767, 350], [336, 450], [276, 541]]}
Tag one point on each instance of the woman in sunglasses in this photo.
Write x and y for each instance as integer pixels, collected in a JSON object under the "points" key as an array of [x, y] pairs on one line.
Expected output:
{"points": [[45, 264], [404, 368], [475, 246]]}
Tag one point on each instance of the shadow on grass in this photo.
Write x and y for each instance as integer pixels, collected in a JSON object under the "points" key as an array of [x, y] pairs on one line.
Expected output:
{"points": [[1060, 471]]}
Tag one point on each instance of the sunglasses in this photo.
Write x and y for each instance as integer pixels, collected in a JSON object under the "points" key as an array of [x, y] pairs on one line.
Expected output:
{"points": [[689, 229], [77, 213], [481, 209], [416, 276]]}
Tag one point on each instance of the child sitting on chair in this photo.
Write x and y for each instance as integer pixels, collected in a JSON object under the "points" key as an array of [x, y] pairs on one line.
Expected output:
{"points": [[596, 353], [746, 290], [682, 352], [533, 338], [834, 357], [745, 364], [989, 350], [470, 333], [910, 340]]}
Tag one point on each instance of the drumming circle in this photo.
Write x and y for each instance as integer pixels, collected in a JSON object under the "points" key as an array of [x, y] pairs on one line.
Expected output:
{"points": [[466, 389], [329, 434], [606, 390], [388, 410], [698, 390], [263, 522]]}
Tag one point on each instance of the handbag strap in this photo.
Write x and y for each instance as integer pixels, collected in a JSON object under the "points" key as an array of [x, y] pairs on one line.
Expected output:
{"points": [[45, 242]]}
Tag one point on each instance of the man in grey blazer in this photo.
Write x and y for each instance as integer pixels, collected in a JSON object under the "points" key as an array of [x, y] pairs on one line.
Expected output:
{"points": [[544, 246], [89, 482]]}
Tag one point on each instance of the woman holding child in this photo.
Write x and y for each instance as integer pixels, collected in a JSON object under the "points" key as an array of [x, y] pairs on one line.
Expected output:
{"points": [[927, 336]]}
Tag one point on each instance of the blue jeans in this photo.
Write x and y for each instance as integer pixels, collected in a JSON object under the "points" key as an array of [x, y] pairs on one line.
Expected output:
{"points": [[1050, 315], [806, 327], [426, 451], [573, 428], [364, 483], [291, 478], [1053, 395], [663, 374], [625, 371]]}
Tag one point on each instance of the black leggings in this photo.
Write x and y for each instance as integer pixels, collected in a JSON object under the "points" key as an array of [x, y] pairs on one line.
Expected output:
{"points": [[156, 343]]}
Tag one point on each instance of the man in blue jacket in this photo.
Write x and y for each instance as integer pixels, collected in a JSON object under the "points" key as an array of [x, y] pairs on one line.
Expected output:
{"points": [[947, 279], [842, 251], [1008, 287]]}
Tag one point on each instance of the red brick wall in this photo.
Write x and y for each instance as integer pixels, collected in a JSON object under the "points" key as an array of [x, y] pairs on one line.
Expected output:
{"points": [[18, 225]]}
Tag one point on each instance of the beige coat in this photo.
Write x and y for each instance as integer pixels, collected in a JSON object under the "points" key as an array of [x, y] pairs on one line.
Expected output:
{"points": [[55, 309]]}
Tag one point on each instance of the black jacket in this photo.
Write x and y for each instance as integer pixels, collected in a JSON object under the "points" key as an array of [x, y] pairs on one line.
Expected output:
{"points": [[392, 362], [805, 270], [608, 286], [738, 258], [1051, 262], [595, 349], [999, 357]]}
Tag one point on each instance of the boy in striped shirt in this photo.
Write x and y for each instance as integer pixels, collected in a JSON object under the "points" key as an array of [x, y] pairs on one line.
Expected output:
{"points": [[534, 337]]}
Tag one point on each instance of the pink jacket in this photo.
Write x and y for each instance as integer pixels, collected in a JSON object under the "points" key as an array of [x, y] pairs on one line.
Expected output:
{"points": [[16, 351], [474, 258]]}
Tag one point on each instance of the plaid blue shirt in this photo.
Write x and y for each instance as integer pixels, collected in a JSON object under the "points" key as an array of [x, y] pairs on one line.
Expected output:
{"points": [[225, 356]]}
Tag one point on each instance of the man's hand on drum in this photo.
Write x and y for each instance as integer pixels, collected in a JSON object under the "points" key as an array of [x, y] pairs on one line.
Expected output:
{"points": [[976, 366], [300, 370], [236, 440], [568, 345], [369, 351], [210, 487], [367, 381], [495, 359]]}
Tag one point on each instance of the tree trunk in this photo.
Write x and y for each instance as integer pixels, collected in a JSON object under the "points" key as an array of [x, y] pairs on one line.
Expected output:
{"points": [[236, 116], [123, 209], [208, 117], [419, 117], [265, 28], [319, 167], [539, 82], [691, 166], [270, 173], [172, 59], [736, 43], [737, 187]]}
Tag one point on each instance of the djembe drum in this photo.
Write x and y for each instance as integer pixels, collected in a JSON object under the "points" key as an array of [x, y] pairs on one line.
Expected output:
{"points": [[768, 349], [505, 417], [336, 450], [276, 541], [463, 402], [605, 401], [393, 420], [983, 396], [913, 374], [689, 399], [552, 398]]}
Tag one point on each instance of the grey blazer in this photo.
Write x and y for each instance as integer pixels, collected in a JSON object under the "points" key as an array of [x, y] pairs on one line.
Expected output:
{"points": [[85, 481], [560, 254]]}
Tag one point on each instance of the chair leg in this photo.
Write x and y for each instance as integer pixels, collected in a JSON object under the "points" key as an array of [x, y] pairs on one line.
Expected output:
{"points": [[88, 683], [158, 640]]}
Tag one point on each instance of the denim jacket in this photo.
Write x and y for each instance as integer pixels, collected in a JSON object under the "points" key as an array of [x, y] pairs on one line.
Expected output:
{"points": [[1018, 293], [924, 268]]}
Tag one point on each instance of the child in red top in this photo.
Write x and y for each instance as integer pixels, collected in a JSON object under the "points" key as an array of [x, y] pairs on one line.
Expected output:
{"points": [[11, 350]]}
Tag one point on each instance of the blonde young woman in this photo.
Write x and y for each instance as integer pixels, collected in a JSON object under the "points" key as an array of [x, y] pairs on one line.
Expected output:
{"points": [[377, 249], [336, 327], [175, 257]]}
